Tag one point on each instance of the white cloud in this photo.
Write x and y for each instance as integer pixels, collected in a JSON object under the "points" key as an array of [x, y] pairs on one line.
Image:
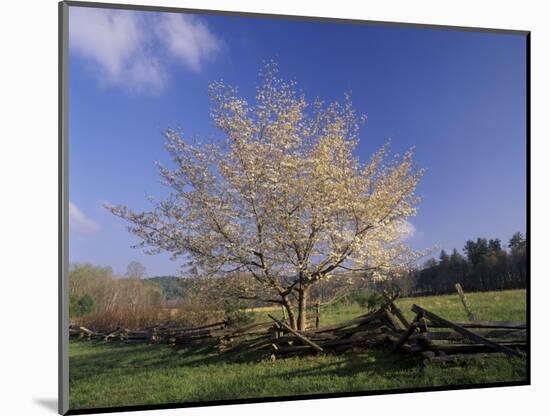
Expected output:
{"points": [[187, 38], [114, 40], [129, 48], [78, 221]]}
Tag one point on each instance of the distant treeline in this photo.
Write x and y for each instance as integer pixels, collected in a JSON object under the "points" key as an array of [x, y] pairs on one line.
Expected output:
{"points": [[100, 299], [484, 265], [172, 287]]}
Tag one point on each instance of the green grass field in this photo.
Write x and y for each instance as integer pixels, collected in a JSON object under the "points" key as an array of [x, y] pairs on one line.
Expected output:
{"points": [[112, 374]]}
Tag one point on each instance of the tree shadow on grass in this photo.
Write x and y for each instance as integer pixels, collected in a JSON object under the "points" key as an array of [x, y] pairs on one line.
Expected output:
{"points": [[130, 356], [133, 358], [398, 369], [374, 361]]}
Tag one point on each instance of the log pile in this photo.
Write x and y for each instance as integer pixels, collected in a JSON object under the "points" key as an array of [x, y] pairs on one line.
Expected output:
{"points": [[428, 336]]}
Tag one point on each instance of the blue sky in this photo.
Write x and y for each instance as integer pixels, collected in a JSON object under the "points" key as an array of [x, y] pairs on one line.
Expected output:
{"points": [[458, 97]]}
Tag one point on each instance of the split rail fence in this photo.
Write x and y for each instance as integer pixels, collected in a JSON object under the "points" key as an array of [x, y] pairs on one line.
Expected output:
{"points": [[428, 336]]}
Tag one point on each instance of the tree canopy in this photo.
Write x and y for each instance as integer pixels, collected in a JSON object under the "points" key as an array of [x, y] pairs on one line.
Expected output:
{"points": [[282, 197]]}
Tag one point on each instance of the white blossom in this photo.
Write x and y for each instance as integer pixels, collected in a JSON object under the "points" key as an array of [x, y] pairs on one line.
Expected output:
{"points": [[283, 195]]}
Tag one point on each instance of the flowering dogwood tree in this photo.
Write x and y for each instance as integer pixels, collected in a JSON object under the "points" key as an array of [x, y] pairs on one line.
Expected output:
{"points": [[282, 198]]}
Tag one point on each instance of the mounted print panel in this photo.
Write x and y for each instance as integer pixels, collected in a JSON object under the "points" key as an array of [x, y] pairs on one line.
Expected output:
{"points": [[262, 208]]}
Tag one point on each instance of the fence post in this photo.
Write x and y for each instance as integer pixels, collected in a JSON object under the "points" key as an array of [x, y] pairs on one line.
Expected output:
{"points": [[471, 316], [318, 317]]}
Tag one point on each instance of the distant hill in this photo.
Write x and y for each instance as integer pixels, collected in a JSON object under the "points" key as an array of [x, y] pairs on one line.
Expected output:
{"points": [[172, 286]]}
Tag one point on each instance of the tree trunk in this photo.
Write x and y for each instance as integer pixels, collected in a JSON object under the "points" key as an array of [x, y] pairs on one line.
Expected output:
{"points": [[302, 305], [291, 318]]}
